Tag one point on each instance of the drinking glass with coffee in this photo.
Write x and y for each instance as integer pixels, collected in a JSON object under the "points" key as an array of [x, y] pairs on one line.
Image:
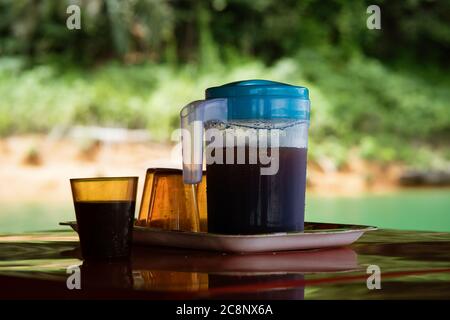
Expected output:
{"points": [[104, 209]]}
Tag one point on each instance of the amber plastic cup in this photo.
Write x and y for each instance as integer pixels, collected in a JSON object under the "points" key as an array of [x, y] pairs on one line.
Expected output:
{"points": [[105, 208], [167, 203]]}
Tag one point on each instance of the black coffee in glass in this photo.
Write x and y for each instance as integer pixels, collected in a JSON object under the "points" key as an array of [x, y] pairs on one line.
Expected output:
{"points": [[105, 228]]}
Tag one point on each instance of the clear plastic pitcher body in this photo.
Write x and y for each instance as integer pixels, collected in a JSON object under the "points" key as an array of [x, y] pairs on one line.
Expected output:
{"points": [[256, 137]]}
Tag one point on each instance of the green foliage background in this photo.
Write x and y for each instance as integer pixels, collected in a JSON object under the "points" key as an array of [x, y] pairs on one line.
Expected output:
{"points": [[135, 63]]}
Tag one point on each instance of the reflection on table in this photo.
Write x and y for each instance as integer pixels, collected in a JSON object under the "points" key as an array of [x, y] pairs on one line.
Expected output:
{"points": [[413, 265]]}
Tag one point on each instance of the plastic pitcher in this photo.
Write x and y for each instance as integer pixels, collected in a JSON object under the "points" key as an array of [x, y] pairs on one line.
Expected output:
{"points": [[256, 137]]}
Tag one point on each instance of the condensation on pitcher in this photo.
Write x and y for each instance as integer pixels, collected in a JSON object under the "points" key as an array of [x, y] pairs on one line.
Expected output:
{"points": [[291, 133], [279, 124]]}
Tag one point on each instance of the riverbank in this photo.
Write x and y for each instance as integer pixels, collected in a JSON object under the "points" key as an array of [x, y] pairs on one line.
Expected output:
{"points": [[38, 167]]}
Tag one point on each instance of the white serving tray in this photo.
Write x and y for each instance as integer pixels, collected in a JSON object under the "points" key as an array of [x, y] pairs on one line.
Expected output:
{"points": [[315, 236]]}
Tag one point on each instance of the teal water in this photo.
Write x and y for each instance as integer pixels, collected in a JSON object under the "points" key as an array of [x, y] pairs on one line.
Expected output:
{"points": [[427, 210], [27, 217]]}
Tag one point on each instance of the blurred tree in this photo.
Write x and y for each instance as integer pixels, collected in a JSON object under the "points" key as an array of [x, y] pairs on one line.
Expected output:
{"points": [[110, 28], [188, 30]]}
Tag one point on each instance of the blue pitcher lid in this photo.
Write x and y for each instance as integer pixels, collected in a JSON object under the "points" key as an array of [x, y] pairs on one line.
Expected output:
{"points": [[257, 88], [262, 99]]}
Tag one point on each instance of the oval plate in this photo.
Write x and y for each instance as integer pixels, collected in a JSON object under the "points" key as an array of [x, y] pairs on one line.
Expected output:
{"points": [[316, 236]]}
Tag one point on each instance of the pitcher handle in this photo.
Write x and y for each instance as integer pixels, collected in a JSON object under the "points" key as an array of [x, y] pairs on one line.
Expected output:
{"points": [[193, 118]]}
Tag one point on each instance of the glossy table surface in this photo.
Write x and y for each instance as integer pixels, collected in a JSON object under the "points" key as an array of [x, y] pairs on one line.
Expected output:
{"points": [[413, 265]]}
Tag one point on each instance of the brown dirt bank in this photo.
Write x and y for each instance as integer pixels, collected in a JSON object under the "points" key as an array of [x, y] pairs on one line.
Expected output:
{"points": [[37, 168]]}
